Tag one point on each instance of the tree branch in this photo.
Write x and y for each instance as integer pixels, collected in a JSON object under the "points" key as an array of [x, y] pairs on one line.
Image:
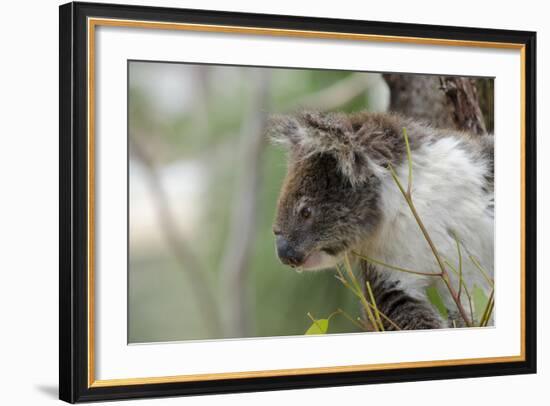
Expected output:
{"points": [[234, 263], [336, 95], [205, 296]]}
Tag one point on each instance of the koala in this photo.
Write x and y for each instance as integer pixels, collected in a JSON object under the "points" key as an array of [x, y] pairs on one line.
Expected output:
{"points": [[339, 197]]}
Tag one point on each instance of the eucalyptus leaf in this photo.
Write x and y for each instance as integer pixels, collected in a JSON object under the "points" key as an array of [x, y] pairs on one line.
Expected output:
{"points": [[435, 299], [480, 301], [318, 327]]}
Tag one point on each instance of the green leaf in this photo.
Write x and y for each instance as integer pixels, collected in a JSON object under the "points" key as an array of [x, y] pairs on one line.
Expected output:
{"points": [[480, 301], [435, 298], [318, 327]]}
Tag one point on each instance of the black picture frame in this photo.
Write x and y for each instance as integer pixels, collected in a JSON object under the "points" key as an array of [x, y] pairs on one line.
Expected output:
{"points": [[74, 199]]}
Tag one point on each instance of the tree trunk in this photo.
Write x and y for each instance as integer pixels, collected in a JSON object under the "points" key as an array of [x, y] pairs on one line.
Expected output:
{"points": [[486, 97], [442, 101], [462, 96], [420, 97]]}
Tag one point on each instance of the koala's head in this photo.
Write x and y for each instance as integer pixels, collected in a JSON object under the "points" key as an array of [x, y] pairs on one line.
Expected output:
{"points": [[330, 199]]}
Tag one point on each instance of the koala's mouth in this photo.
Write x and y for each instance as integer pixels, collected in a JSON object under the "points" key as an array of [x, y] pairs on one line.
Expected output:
{"points": [[313, 260], [321, 259], [333, 251]]}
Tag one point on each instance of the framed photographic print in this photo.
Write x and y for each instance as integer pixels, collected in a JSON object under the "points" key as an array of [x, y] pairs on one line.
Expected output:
{"points": [[256, 202]]}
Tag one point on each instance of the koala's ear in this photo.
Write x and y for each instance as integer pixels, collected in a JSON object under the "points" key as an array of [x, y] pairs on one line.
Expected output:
{"points": [[313, 133], [333, 133], [284, 130]]}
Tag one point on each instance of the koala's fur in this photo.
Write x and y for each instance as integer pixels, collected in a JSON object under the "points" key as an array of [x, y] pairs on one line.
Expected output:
{"points": [[338, 171]]}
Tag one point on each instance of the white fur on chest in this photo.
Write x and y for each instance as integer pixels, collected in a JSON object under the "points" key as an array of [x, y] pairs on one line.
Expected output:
{"points": [[448, 195]]}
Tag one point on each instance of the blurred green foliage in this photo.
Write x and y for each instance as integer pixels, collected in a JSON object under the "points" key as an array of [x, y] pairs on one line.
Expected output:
{"points": [[207, 128]]}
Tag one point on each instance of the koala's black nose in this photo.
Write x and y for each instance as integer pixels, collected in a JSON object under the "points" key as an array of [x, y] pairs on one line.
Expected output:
{"points": [[287, 254]]}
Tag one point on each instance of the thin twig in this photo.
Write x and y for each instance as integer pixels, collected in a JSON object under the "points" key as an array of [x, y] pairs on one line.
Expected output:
{"points": [[412, 207], [354, 322], [395, 326], [359, 294], [444, 275], [490, 281], [376, 312], [357, 287], [459, 265], [488, 309], [396, 268], [408, 147], [490, 313], [466, 291]]}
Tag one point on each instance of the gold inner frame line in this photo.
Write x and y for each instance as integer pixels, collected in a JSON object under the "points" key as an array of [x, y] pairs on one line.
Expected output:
{"points": [[94, 22]]}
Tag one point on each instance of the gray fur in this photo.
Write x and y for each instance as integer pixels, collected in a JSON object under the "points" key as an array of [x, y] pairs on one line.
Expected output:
{"points": [[405, 311], [352, 141]]}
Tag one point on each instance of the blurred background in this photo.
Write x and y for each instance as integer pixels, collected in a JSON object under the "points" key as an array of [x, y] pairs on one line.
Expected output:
{"points": [[203, 189], [204, 182]]}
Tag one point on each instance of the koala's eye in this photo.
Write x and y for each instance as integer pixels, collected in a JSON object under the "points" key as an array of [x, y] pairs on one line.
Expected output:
{"points": [[305, 212]]}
